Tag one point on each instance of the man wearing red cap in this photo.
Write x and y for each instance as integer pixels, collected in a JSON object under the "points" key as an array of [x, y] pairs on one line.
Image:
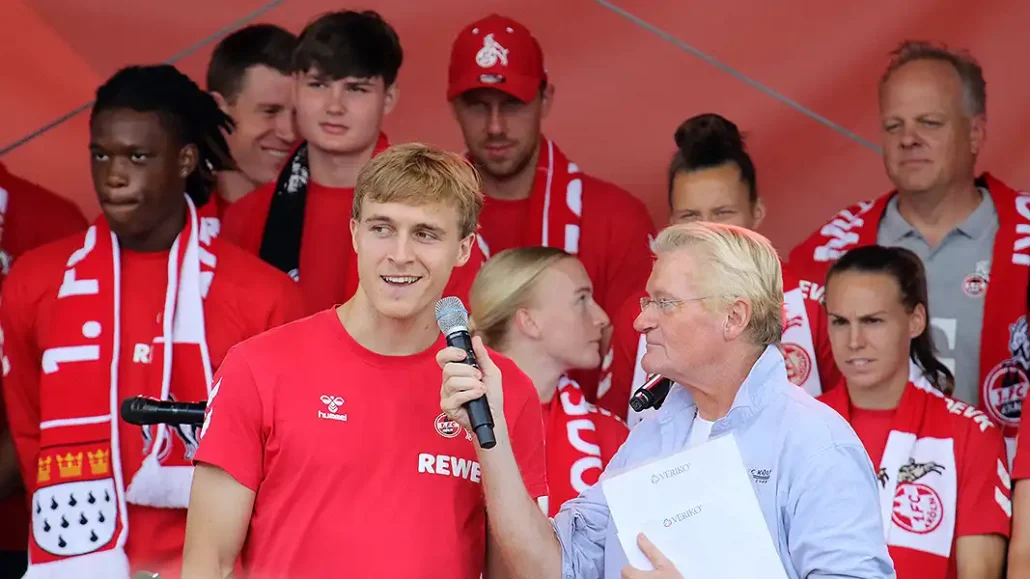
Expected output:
{"points": [[534, 195]]}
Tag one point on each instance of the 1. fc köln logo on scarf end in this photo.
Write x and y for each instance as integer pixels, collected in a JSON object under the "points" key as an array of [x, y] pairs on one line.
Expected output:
{"points": [[799, 365], [917, 506], [1005, 386]]}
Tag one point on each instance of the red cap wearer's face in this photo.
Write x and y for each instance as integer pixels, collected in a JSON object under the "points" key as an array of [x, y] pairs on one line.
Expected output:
{"points": [[499, 53]]}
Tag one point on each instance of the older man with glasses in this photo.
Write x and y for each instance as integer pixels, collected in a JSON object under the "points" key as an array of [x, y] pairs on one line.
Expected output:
{"points": [[712, 320]]}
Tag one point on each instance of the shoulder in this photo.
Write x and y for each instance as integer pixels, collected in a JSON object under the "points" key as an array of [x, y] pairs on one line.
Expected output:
{"points": [[614, 199], [281, 342], [250, 273], [518, 387], [44, 264], [814, 426]]}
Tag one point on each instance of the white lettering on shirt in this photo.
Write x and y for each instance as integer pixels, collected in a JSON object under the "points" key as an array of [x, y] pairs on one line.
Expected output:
{"points": [[141, 354], [446, 465]]}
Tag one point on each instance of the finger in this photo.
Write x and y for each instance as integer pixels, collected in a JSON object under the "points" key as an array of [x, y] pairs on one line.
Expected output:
{"points": [[631, 572], [458, 384], [460, 370], [448, 355], [653, 554], [483, 356], [455, 402]]}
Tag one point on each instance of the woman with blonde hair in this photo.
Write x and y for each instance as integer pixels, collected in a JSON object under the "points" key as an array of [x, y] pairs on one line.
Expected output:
{"points": [[535, 305]]}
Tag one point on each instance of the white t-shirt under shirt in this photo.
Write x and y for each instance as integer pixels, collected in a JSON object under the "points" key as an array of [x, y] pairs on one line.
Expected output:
{"points": [[699, 430]]}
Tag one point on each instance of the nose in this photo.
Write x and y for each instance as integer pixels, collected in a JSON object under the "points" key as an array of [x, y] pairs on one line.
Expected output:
{"points": [[601, 319], [496, 125], [284, 128], [645, 321], [856, 338], [336, 99], [401, 250], [909, 136], [117, 176]]}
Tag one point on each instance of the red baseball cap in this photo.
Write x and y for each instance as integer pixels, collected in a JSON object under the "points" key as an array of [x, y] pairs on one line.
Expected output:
{"points": [[496, 52]]}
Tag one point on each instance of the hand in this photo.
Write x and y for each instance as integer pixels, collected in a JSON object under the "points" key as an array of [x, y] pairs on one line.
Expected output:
{"points": [[663, 568], [462, 383]]}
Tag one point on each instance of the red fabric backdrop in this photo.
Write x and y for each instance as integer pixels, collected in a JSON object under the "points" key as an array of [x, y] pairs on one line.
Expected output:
{"points": [[799, 76]]}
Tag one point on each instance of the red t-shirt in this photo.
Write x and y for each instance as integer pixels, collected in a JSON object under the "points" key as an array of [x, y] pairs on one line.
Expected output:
{"points": [[328, 264], [812, 348], [356, 470], [954, 444], [246, 297], [30, 216]]}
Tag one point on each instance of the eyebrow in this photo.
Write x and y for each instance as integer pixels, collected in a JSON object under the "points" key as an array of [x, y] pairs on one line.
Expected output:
{"points": [[879, 313], [387, 221]]}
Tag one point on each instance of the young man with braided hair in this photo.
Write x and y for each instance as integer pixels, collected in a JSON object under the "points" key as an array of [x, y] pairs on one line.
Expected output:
{"points": [[345, 67], [146, 302]]}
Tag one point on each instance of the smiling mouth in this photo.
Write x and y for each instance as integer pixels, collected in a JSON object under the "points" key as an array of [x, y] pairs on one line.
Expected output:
{"points": [[860, 362], [400, 280]]}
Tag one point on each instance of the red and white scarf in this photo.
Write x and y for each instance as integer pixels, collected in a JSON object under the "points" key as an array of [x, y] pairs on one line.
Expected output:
{"points": [[796, 343], [1004, 345], [79, 521], [555, 204], [579, 445], [918, 473]]}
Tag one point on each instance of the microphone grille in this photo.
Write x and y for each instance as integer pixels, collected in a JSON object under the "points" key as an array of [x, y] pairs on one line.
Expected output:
{"points": [[451, 315]]}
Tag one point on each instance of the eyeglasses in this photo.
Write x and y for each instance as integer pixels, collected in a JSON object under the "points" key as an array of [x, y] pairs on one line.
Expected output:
{"points": [[666, 305]]}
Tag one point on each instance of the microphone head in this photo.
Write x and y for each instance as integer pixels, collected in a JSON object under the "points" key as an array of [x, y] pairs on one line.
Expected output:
{"points": [[451, 316]]}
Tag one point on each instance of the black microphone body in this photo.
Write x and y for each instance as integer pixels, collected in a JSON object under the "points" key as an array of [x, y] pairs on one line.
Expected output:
{"points": [[142, 411], [652, 394], [480, 417], [452, 318]]}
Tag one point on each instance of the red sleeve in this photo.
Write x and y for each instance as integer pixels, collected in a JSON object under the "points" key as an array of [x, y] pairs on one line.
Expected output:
{"points": [[288, 306], [611, 433], [627, 255], [233, 436], [20, 370], [985, 498], [625, 340], [526, 428]]}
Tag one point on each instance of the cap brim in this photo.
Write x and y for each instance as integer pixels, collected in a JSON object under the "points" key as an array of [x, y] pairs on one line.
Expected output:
{"points": [[524, 88]]}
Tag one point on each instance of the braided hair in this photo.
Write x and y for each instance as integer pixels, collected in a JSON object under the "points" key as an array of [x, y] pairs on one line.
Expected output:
{"points": [[191, 113]]}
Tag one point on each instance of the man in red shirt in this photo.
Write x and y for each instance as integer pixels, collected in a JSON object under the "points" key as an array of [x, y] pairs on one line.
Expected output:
{"points": [[345, 67], [146, 302], [39, 217], [250, 75], [324, 452], [500, 93]]}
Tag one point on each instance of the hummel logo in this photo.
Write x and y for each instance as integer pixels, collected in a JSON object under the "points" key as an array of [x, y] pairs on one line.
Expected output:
{"points": [[333, 404]]}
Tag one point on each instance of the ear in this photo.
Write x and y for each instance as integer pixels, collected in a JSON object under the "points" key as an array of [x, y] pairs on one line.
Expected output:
{"points": [[525, 323], [222, 103], [758, 213], [465, 249], [738, 316], [354, 234], [393, 93], [546, 99], [977, 133], [917, 321], [188, 159]]}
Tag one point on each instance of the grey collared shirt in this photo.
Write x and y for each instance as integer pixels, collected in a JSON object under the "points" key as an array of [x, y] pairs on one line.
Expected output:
{"points": [[812, 476], [954, 268]]}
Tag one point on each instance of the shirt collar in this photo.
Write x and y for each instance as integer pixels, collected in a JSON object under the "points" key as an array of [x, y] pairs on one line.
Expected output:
{"points": [[894, 228], [758, 388]]}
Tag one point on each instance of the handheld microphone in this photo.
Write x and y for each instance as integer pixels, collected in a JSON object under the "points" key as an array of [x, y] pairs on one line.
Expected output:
{"points": [[652, 394], [142, 411], [453, 320]]}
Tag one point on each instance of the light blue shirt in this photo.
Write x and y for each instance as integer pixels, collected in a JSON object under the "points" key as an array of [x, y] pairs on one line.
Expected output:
{"points": [[812, 476]]}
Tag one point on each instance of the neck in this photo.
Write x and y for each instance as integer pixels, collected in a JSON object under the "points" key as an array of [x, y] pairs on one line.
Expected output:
{"points": [[512, 187], [541, 369], [384, 335], [883, 396], [717, 386], [160, 238], [935, 212], [337, 170], [234, 185]]}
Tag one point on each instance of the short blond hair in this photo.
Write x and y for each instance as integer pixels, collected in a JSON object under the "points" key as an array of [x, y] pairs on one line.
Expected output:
{"points": [[741, 264], [418, 174], [503, 285]]}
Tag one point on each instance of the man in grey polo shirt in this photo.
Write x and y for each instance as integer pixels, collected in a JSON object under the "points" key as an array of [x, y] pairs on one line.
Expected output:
{"points": [[970, 231]]}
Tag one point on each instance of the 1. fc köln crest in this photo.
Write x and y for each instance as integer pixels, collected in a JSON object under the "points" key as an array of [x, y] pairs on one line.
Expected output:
{"points": [[798, 362], [1006, 385]]}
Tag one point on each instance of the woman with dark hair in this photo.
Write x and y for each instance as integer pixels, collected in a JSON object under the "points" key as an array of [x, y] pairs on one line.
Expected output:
{"points": [[712, 178], [942, 465]]}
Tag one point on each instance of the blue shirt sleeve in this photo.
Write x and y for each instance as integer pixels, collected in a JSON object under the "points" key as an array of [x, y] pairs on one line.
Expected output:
{"points": [[581, 525], [836, 530]]}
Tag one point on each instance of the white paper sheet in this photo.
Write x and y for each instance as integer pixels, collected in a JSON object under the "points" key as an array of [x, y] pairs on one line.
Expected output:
{"points": [[699, 508]]}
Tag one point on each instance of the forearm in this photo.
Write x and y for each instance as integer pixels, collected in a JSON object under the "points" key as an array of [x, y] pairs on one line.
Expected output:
{"points": [[980, 556], [202, 558], [520, 530]]}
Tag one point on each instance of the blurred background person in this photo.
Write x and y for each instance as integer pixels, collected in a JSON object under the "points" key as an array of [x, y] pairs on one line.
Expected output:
{"points": [[500, 94], [346, 65], [944, 483], [30, 216], [966, 228], [250, 74], [535, 305], [95, 318], [712, 178]]}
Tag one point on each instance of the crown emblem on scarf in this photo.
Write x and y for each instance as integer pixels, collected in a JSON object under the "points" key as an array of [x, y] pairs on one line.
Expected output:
{"points": [[99, 461], [69, 465], [43, 474]]}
